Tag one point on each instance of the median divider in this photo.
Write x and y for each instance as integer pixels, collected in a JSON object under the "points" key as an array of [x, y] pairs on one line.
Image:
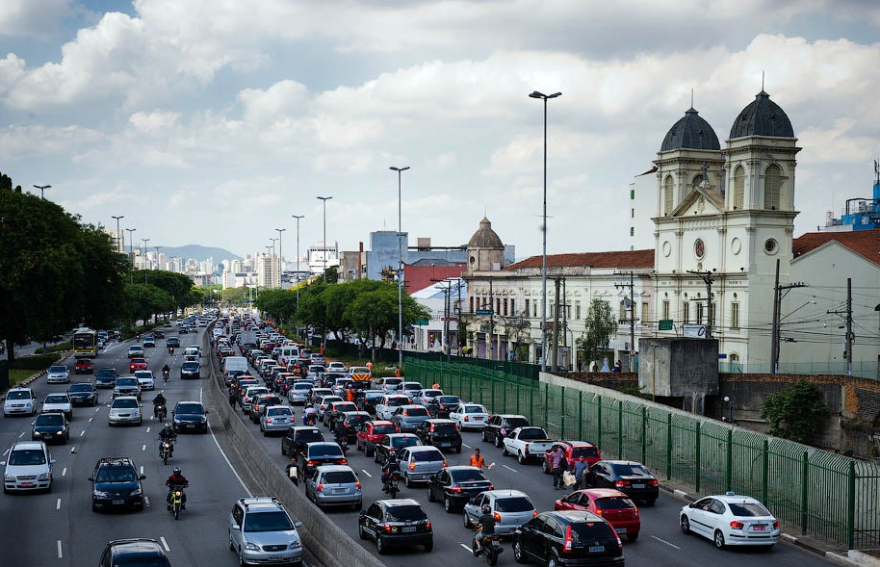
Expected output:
{"points": [[326, 541]]}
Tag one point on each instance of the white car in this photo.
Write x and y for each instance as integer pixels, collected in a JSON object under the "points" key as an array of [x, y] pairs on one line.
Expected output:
{"points": [[731, 520], [58, 403], [469, 416], [20, 401], [388, 403], [145, 379], [28, 467], [336, 366], [57, 374], [124, 410]]}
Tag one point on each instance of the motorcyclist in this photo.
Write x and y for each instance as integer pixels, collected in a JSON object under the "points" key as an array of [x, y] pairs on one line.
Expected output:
{"points": [[159, 400], [166, 370], [170, 349], [167, 434], [390, 466], [485, 526], [310, 412], [176, 479]]}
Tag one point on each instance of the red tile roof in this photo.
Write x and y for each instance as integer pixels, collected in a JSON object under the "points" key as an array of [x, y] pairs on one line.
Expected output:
{"points": [[614, 259], [863, 242]]}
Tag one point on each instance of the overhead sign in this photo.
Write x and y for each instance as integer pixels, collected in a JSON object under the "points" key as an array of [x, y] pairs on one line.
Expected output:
{"points": [[665, 325], [484, 312], [693, 331]]}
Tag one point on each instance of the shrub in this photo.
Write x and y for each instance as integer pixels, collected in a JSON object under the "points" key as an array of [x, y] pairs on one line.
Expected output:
{"points": [[795, 413]]}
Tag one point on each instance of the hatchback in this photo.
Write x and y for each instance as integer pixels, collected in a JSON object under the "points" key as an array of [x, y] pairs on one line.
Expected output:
{"points": [[28, 467], [51, 427], [125, 410], [510, 508], [629, 477], [441, 433], [334, 485], [441, 406], [137, 364], [408, 418], [394, 523], [353, 421], [730, 520], [388, 404], [371, 433], [299, 392], [469, 416], [389, 385], [57, 374], [425, 397], [393, 442], [568, 538], [276, 419], [317, 454], [59, 402], [261, 532], [418, 464], [296, 438], [84, 366], [613, 505]]}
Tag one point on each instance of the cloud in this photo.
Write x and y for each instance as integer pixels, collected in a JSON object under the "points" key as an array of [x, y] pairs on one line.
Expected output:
{"points": [[32, 18]]}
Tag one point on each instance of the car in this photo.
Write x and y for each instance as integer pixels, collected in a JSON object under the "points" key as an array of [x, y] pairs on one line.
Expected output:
{"points": [[568, 538], [334, 485], [84, 366], [135, 351], [408, 418], [389, 385], [500, 425], [261, 532], [411, 390], [317, 394], [83, 394], [385, 407], [299, 391], [352, 422], [442, 433], [371, 433], [324, 403], [276, 419], [629, 477], [149, 342], [134, 552], [336, 366], [145, 379], [28, 467], [395, 442], [51, 427], [418, 464], [116, 483], [367, 399], [454, 486], [20, 401], [57, 374], [261, 402], [613, 505], [572, 450], [183, 330], [105, 378], [336, 412], [441, 406], [394, 523], [426, 396], [190, 369], [469, 416], [511, 509], [297, 437], [319, 453], [127, 386], [58, 402], [135, 364], [189, 416], [172, 341], [247, 399], [158, 333], [125, 410], [731, 520]]}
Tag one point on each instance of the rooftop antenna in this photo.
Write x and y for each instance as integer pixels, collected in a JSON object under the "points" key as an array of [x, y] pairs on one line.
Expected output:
{"points": [[762, 81], [692, 97]]}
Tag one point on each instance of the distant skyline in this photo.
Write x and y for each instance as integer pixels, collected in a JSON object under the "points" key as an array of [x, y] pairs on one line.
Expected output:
{"points": [[212, 123]]}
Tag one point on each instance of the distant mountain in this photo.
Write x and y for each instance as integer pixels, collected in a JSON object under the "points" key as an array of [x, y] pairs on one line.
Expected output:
{"points": [[199, 253]]}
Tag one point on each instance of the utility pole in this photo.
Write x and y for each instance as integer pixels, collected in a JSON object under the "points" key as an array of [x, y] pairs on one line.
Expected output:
{"points": [[778, 296], [555, 354], [491, 322], [570, 363], [708, 280], [131, 251], [848, 318], [632, 313]]}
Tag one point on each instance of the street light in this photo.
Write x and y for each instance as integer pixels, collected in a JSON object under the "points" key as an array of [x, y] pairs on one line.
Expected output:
{"points": [[399, 171], [131, 251], [280, 256], [545, 98], [42, 188], [145, 240], [297, 217], [119, 233], [729, 401], [325, 199]]}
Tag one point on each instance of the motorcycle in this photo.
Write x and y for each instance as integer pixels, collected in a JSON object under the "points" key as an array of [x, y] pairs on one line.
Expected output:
{"points": [[177, 495], [160, 411], [166, 374], [167, 450], [343, 444], [490, 548], [310, 419], [392, 484], [171, 350]]}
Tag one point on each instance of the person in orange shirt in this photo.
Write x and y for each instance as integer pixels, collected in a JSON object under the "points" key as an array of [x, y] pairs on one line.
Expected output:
{"points": [[477, 460]]}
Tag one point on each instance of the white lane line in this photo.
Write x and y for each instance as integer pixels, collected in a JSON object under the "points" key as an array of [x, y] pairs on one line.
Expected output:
{"points": [[510, 469], [73, 449], [466, 445], [64, 471], [22, 435], [223, 453], [60, 555], [148, 430], [83, 432], [97, 409], [468, 549], [146, 499], [366, 473], [58, 504], [666, 542], [90, 419], [142, 469], [164, 543], [144, 448], [4, 452]]}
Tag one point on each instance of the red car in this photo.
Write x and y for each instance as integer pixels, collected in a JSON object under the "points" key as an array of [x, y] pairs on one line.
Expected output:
{"points": [[84, 366], [137, 364], [613, 505], [573, 451], [371, 433]]}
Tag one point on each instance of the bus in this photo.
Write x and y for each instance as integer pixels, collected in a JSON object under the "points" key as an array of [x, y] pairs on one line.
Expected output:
{"points": [[85, 343]]}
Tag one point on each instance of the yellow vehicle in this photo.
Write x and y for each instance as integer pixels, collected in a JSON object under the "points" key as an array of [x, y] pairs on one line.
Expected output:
{"points": [[360, 373]]}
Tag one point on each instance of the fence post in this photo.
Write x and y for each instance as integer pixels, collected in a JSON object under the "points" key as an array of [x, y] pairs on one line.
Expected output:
{"points": [[504, 399], [851, 507], [620, 429], [668, 446], [644, 434], [517, 397], [546, 402], [697, 459], [729, 472], [492, 386], [765, 472], [599, 421], [580, 414], [532, 406], [805, 494]]}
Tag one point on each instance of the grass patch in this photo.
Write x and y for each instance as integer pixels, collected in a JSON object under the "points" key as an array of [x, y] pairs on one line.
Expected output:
{"points": [[16, 376], [54, 348]]}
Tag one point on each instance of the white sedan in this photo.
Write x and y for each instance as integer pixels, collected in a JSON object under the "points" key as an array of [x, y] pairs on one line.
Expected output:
{"points": [[145, 379], [58, 403], [731, 520], [469, 416]]}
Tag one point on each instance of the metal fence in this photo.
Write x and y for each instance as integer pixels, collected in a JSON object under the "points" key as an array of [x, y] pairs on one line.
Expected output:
{"points": [[818, 492]]}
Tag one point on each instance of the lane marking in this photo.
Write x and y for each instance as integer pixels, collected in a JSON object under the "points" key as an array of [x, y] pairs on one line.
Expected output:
{"points": [[223, 453], [366, 473], [510, 469], [466, 445], [97, 409], [73, 449], [146, 499], [144, 448], [64, 471], [468, 549], [83, 432], [148, 430], [22, 435], [164, 543], [60, 555], [666, 542], [58, 504], [4, 452], [90, 419], [142, 469]]}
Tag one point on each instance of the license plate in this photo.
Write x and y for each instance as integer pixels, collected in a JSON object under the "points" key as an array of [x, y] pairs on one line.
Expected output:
{"points": [[274, 558], [444, 444], [638, 486], [759, 527], [191, 425], [27, 484], [596, 548], [118, 502], [409, 529], [620, 530]]}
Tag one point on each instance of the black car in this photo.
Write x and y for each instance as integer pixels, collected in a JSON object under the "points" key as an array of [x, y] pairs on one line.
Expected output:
{"points": [[456, 485], [116, 484], [135, 552], [190, 416], [441, 433], [394, 442], [105, 378], [367, 400], [317, 454], [296, 438], [442, 405], [158, 333], [568, 538], [190, 369], [393, 523], [336, 412], [498, 426], [172, 341], [83, 394], [351, 422], [51, 428], [328, 379], [629, 477]]}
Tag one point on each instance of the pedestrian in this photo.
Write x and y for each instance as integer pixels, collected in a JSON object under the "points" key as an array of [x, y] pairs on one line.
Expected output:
{"points": [[232, 399], [581, 466], [595, 367], [477, 460], [617, 367], [370, 365], [557, 461]]}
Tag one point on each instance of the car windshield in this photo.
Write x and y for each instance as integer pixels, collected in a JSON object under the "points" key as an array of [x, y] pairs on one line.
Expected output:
{"points": [[125, 404], [190, 366], [614, 503], [426, 456], [392, 381], [267, 522], [406, 513], [514, 504], [532, 434], [373, 396], [338, 477], [81, 388], [189, 408], [24, 457], [358, 419], [55, 369], [631, 470], [398, 442], [448, 400], [467, 475], [18, 395], [50, 419], [325, 451], [578, 452], [57, 399], [474, 409], [278, 411], [106, 373], [584, 532], [348, 406], [116, 474], [302, 386], [747, 509], [126, 382]]}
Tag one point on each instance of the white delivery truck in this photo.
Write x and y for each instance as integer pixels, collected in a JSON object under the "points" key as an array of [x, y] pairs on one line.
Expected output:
{"points": [[237, 364]]}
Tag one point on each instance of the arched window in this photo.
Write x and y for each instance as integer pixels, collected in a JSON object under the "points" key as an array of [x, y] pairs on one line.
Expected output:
{"points": [[739, 187], [772, 185], [667, 196]]}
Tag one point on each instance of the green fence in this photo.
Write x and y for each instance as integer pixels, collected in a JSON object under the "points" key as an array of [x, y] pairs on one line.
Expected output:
{"points": [[817, 492]]}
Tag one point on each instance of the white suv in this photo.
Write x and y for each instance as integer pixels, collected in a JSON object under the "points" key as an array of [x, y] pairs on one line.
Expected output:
{"points": [[28, 467], [261, 531], [20, 401]]}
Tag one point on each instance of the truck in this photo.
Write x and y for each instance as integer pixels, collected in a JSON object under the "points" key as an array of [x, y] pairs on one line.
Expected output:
{"points": [[235, 364], [527, 444], [359, 373]]}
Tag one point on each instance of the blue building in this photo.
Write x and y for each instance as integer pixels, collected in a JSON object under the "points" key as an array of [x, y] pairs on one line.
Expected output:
{"points": [[860, 213]]}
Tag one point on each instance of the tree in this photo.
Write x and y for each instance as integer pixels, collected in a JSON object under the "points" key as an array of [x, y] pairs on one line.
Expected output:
{"points": [[599, 326], [145, 300], [795, 413]]}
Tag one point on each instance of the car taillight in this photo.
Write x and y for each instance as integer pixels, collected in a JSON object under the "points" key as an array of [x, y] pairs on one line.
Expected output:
{"points": [[455, 488], [358, 485], [491, 487], [457, 427], [387, 528], [621, 483], [567, 547], [405, 412], [444, 464], [311, 463], [635, 512], [526, 449], [735, 525], [320, 488], [534, 513], [432, 428], [653, 483], [599, 512], [466, 418], [341, 461], [412, 466], [497, 517], [776, 525]]}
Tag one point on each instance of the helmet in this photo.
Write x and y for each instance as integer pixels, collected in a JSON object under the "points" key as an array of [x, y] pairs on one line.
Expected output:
{"points": [[167, 425], [176, 470], [486, 508]]}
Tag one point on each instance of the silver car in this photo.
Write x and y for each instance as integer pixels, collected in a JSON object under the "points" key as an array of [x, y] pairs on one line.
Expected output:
{"points": [[125, 410], [276, 419], [408, 418], [418, 464], [425, 397], [57, 375], [511, 508], [261, 532], [334, 485], [299, 392]]}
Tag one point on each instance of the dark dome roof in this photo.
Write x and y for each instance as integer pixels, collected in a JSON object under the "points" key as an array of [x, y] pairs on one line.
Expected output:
{"points": [[762, 117], [691, 132], [485, 237]]}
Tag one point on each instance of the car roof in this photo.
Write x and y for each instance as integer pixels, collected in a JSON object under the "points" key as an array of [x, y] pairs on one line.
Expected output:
{"points": [[28, 445], [189, 402], [735, 498], [579, 444], [509, 415], [462, 468], [399, 502], [576, 516], [439, 421], [621, 462], [261, 504], [334, 468], [423, 449], [136, 546], [505, 493], [604, 493]]}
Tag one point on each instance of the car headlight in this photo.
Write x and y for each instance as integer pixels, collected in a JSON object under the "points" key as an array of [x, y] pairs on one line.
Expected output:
{"points": [[252, 547], [9, 478], [100, 494], [59, 433], [44, 476], [137, 491], [295, 544]]}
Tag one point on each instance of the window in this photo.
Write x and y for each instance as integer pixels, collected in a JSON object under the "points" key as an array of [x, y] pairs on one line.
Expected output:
{"points": [[577, 309], [739, 183], [535, 309], [528, 311], [504, 303], [734, 315], [513, 307], [667, 196], [471, 302], [632, 231], [666, 309], [632, 193], [772, 184], [685, 312], [644, 312], [699, 313]]}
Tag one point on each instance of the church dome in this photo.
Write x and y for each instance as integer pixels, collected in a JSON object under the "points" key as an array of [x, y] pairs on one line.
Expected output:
{"points": [[485, 237], [691, 132], [762, 117]]}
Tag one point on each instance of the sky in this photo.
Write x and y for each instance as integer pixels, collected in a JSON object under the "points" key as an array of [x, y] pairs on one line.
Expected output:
{"points": [[213, 121]]}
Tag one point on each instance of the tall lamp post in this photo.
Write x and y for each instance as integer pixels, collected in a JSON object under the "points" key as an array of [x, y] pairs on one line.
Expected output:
{"points": [[325, 199], [545, 98], [145, 240], [272, 262], [297, 217], [42, 188], [280, 257], [131, 251], [119, 233], [399, 171]]}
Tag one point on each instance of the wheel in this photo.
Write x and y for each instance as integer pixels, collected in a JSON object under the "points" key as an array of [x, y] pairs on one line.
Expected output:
{"points": [[466, 520], [521, 459], [49, 488], [632, 537], [431, 495], [458, 449], [719, 539], [231, 545], [376, 457], [650, 501], [176, 512], [407, 481], [447, 505], [498, 442], [483, 436], [369, 450], [361, 533], [380, 546], [491, 558], [685, 525], [165, 457], [265, 433], [504, 452], [518, 552], [429, 546]]}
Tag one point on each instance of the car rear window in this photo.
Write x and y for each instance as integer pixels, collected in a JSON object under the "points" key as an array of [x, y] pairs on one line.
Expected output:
{"points": [[392, 381], [309, 436], [514, 504], [58, 369], [338, 477], [302, 386], [514, 422], [325, 451], [448, 400], [443, 428], [532, 434], [56, 399], [383, 429], [748, 509], [474, 409], [397, 401], [358, 419], [631, 470], [426, 456], [578, 452], [398, 442], [406, 513], [614, 503], [81, 388], [50, 419], [586, 532], [467, 475], [278, 411], [415, 412], [348, 406]]}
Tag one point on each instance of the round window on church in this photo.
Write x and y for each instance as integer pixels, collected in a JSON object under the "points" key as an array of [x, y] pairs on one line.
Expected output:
{"points": [[699, 248], [771, 246], [667, 248], [473, 260]]}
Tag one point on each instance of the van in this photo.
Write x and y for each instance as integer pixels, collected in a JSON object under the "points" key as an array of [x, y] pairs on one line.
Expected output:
{"points": [[235, 364], [288, 354]]}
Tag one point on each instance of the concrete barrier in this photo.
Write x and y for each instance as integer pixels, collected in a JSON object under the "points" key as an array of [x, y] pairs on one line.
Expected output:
{"points": [[322, 537]]}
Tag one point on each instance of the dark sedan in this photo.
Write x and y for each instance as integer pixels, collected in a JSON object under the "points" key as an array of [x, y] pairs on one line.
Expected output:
{"points": [[296, 438], [456, 485], [190, 416], [190, 369], [83, 394], [51, 428], [629, 477], [442, 405], [317, 454]]}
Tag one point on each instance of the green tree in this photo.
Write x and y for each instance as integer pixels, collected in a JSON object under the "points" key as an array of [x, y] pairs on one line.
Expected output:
{"points": [[145, 300], [599, 326], [374, 313], [795, 413]]}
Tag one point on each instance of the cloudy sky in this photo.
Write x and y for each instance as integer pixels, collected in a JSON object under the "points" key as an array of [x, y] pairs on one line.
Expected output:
{"points": [[213, 121]]}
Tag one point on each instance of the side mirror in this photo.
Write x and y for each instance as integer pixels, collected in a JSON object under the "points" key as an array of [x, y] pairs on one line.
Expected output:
{"points": [[363, 512], [143, 477], [207, 412], [297, 524], [236, 527], [91, 479]]}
